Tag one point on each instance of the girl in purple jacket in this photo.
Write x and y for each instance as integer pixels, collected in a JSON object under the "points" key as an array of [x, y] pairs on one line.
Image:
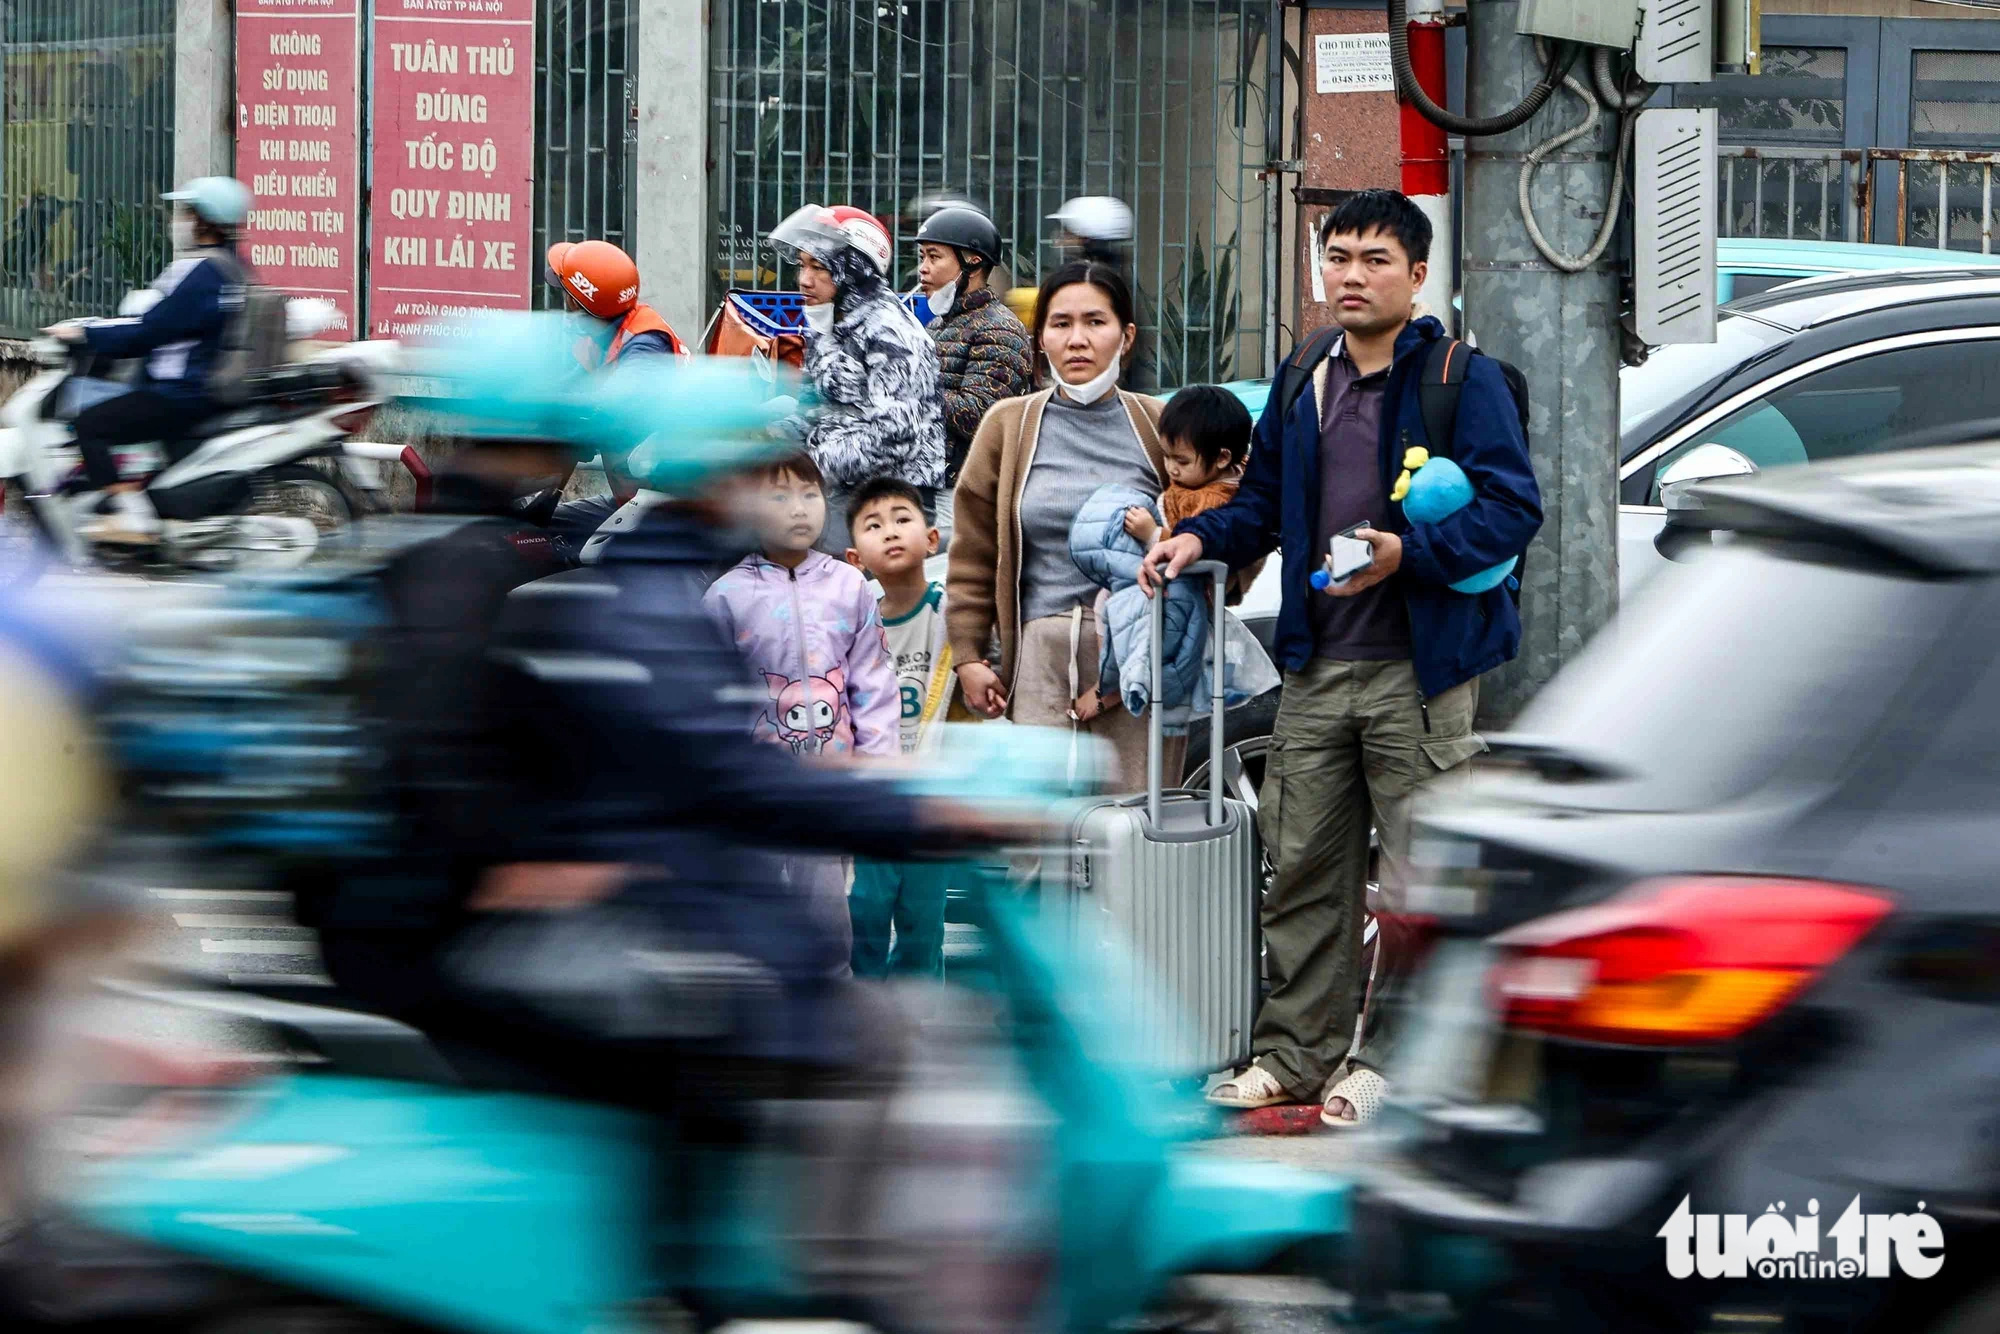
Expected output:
{"points": [[807, 626]]}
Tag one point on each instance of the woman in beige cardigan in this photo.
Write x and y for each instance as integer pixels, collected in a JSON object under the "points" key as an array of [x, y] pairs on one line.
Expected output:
{"points": [[1032, 465]]}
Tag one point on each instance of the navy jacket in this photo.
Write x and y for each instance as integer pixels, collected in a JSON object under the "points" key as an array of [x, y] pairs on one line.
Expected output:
{"points": [[1454, 637], [181, 337]]}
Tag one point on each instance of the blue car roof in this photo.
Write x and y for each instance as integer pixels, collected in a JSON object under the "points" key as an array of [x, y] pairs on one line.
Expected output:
{"points": [[1744, 252]]}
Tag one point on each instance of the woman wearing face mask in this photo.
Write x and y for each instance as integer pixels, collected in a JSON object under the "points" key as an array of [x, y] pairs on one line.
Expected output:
{"points": [[983, 350], [1032, 465], [871, 366]]}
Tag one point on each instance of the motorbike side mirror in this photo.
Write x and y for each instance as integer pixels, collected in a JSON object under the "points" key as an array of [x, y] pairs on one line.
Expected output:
{"points": [[1703, 463]]}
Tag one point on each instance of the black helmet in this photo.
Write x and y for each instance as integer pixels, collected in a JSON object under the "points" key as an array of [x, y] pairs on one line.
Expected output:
{"points": [[963, 227]]}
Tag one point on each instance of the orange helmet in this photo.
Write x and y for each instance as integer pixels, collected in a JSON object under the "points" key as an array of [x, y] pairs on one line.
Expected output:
{"points": [[597, 276]]}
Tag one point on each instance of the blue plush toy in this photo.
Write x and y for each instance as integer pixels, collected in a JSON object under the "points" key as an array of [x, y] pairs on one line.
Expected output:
{"points": [[1432, 489]]}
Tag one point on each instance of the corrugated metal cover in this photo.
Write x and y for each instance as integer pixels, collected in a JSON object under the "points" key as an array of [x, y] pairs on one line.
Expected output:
{"points": [[1674, 226]]}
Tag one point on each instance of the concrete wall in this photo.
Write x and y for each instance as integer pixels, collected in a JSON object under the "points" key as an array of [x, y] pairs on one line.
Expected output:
{"points": [[204, 89], [673, 213]]}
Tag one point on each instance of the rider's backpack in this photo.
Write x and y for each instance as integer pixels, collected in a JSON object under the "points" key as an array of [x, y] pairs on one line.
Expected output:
{"points": [[254, 340]]}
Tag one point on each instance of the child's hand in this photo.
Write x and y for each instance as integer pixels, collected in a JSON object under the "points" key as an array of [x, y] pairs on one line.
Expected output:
{"points": [[1141, 525], [1087, 706]]}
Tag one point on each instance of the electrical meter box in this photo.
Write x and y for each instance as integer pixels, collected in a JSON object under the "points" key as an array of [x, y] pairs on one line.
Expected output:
{"points": [[1677, 41], [1613, 23]]}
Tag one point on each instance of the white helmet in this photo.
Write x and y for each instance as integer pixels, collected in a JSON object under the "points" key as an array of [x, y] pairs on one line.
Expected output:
{"points": [[819, 231], [1096, 218], [222, 201]]}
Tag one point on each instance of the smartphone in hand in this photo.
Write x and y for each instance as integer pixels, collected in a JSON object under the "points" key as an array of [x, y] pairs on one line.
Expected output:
{"points": [[1347, 555]]}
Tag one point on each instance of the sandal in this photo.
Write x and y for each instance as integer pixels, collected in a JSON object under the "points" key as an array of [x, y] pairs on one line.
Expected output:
{"points": [[1362, 1090], [1250, 1089]]}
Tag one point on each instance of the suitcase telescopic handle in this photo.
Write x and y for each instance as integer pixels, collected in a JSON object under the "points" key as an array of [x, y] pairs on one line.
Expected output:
{"points": [[1218, 574]]}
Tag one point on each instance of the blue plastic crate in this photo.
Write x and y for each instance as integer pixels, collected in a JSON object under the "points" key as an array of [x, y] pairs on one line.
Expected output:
{"points": [[784, 312]]}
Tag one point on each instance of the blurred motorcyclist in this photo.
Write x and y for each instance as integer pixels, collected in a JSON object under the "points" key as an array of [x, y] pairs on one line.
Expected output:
{"points": [[598, 751], [180, 337], [600, 287], [1098, 228], [585, 765]]}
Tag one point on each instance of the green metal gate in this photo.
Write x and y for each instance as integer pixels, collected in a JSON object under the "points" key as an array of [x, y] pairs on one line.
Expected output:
{"points": [[585, 54], [1016, 105], [88, 149]]}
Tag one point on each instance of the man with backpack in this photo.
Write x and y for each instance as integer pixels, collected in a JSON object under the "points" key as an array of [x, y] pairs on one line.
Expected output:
{"points": [[198, 333], [1381, 668]]}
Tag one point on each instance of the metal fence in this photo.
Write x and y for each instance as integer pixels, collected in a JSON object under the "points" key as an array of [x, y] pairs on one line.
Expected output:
{"points": [[1943, 197], [1934, 197], [585, 102], [87, 148], [1814, 194], [1016, 105]]}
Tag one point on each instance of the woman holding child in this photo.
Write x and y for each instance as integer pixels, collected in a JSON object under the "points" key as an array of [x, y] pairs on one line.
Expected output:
{"points": [[1033, 463]]}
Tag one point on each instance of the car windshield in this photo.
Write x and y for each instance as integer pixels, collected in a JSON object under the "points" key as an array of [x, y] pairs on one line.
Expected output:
{"points": [[1743, 671], [1672, 373]]}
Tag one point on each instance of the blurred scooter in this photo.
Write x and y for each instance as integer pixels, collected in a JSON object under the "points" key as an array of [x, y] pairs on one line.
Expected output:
{"points": [[1038, 1184], [250, 492]]}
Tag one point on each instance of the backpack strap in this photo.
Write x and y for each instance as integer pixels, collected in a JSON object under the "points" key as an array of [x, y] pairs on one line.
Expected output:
{"points": [[1297, 372], [1439, 389]]}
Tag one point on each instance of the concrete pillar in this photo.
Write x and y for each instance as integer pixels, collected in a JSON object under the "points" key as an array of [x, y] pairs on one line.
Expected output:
{"points": [[204, 89], [673, 214], [1561, 329]]}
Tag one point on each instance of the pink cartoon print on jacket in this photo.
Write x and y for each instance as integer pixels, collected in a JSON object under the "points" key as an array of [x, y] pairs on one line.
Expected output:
{"points": [[808, 716]]}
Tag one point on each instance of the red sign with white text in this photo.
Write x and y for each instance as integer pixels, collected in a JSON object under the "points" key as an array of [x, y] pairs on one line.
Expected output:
{"points": [[298, 147], [452, 208]]}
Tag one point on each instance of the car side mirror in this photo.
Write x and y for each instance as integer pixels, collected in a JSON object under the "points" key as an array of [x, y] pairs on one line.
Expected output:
{"points": [[1703, 463]]}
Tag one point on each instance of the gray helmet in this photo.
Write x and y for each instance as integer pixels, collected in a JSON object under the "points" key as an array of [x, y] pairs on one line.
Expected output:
{"points": [[963, 227]]}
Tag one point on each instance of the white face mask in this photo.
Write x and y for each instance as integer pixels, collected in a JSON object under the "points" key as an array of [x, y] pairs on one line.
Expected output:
{"points": [[821, 317], [183, 233], [1091, 390], [945, 300]]}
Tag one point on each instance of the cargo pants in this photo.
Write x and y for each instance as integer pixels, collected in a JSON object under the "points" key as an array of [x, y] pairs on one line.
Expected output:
{"points": [[1354, 742]]}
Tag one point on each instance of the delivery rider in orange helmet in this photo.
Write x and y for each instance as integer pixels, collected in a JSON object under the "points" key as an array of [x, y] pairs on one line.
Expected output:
{"points": [[600, 286], [601, 283]]}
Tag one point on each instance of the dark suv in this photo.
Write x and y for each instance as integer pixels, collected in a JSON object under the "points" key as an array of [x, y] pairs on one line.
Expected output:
{"points": [[1713, 985]]}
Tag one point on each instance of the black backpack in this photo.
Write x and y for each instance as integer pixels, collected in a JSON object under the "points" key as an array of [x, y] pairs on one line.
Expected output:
{"points": [[1437, 394]]}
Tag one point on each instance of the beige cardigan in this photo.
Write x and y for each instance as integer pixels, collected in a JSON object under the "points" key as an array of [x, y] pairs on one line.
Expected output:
{"points": [[983, 585]]}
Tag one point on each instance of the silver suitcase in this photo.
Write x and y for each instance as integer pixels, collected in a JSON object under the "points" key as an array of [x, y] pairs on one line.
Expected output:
{"points": [[1169, 878]]}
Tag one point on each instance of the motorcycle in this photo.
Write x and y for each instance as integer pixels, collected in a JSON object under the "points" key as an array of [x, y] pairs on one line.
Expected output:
{"points": [[248, 492], [365, 1183]]}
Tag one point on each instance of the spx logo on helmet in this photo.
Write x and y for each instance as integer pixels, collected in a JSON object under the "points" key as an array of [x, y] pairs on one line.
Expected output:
{"points": [[585, 288]]}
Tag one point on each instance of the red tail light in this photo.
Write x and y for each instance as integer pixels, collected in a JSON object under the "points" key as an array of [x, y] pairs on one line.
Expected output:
{"points": [[1673, 962]]}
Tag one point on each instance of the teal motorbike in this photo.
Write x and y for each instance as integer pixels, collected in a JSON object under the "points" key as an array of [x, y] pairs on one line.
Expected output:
{"points": [[372, 1180]]}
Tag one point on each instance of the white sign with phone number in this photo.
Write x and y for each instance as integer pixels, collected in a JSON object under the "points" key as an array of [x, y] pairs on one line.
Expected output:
{"points": [[1353, 64]]}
